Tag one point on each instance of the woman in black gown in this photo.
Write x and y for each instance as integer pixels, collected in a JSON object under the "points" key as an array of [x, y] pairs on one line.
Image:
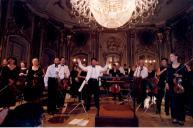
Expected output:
{"points": [[22, 78], [81, 77], [35, 83], [176, 75], [74, 81], [10, 75]]}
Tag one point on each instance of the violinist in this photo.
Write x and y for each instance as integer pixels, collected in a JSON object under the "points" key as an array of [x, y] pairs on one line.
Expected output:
{"points": [[161, 73], [52, 78], [35, 83], [22, 77], [10, 74], [175, 85], [64, 83], [140, 75]]}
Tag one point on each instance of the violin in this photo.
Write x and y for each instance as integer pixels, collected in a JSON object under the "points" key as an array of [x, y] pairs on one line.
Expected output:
{"points": [[64, 84], [178, 88], [177, 80]]}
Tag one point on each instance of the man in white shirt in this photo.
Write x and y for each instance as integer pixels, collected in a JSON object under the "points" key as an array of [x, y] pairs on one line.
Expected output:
{"points": [[63, 84], [141, 71], [51, 79], [140, 74], [93, 73]]}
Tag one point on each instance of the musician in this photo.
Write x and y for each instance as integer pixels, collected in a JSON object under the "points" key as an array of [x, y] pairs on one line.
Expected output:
{"points": [[22, 79], [74, 81], [189, 88], [63, 85], [93, 73], [175, 85], [140, 74], [81, 77], [10, 75], [121, 69], [35, 83], [115, 89], [151, 76], [162, 73], [3, 64], [51, 79], [23, 69], [126, 69], [131, 72]]}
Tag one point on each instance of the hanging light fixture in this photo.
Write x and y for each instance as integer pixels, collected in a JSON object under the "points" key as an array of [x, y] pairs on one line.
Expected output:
{"points": [[113, 13]]}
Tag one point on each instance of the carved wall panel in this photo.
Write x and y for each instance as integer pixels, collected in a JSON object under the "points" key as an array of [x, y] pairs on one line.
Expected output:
{"points": [[80, 51], [113, 46], [149, 52], [18, 47], [47, 57]]}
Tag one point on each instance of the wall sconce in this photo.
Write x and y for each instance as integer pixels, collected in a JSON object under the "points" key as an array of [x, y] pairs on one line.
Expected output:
{"points": [[74, 60], [149, 61]]}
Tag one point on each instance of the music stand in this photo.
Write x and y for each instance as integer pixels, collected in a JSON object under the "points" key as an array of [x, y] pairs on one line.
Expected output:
{"points": [[81, 102], [128, 96]]}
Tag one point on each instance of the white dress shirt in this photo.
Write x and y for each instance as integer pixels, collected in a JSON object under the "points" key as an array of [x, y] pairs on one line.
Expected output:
{"points": [[65, 70], [141, 72], [93, 72], [52, 72], [121, 69]]}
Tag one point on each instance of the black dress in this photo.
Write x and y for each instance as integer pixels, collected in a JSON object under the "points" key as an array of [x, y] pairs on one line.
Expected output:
{"points": [[75, 84], [177, 100], [8, 92], [22, 79], [83, 74], [161, 91], [35, 84]]}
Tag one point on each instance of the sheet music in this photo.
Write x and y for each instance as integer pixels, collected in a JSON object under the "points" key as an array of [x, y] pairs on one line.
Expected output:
{"points": [[79, 122]]}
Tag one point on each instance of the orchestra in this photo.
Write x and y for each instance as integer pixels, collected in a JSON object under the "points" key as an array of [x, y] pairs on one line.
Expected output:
{"points": [[168, 82]]}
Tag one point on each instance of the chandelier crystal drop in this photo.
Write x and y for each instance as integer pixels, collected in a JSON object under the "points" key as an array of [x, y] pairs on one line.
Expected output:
{"points": [[113, 13]]}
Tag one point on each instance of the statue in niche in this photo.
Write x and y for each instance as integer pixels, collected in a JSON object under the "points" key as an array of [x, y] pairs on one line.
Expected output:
{"points": [[113, 45]]}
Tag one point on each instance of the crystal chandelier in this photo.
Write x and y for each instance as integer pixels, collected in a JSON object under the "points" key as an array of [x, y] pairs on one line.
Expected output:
{"points": [[113, 13]]}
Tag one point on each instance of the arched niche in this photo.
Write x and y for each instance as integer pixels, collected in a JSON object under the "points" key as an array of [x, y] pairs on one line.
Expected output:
{"points": [[113, 58], [17, 46], [82, 56]]}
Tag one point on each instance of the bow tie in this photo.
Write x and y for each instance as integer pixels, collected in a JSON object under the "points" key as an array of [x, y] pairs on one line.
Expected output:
{"points": [[62, 65], [93, 66], [56, 65]]}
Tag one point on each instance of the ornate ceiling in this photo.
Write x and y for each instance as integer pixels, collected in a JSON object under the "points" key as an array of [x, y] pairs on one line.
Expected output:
{"points": [[60, 10]]}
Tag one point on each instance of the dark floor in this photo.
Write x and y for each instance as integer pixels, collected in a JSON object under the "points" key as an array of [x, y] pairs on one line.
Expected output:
{"points": [[145, 119]]}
